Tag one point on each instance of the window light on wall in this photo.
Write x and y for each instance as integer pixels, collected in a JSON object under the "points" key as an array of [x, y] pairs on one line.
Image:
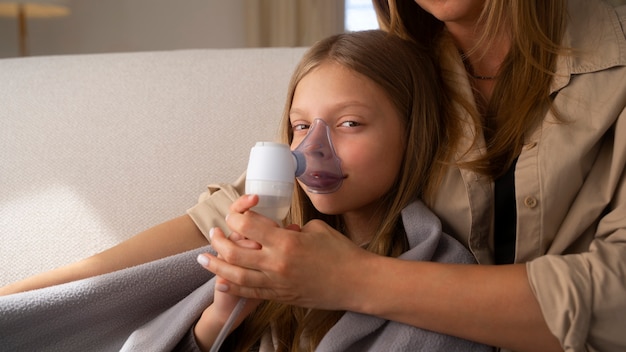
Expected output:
{"points": [[360, 15]]}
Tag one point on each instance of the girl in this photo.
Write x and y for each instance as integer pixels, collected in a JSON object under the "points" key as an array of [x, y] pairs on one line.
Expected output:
{"points": [[380, 97]]}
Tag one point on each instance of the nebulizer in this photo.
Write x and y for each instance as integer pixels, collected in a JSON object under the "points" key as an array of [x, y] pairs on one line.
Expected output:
{"points": [[272, 168]]}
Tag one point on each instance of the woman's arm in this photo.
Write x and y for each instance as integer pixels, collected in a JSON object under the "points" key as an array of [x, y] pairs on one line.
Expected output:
{"points": [[489, 304], [175, 236], [321, 268]]}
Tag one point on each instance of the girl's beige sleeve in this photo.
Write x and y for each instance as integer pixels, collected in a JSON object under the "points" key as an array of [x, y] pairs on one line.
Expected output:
{"points": [[213, 205]]}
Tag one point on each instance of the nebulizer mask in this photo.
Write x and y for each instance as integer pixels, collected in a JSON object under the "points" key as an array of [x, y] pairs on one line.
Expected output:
{"points": [[272, 167], [270, 175]]}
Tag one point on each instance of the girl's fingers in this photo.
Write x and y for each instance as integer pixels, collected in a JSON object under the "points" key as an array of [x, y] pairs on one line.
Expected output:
{"points": [[233, 252], [244, 203]]}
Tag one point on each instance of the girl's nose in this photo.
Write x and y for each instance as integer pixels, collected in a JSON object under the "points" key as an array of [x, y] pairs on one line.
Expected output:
{"points": [[317, 160]]}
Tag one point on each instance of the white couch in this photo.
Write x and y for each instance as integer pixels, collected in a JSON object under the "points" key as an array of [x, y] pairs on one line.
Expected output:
{"points": [[95, 148]]}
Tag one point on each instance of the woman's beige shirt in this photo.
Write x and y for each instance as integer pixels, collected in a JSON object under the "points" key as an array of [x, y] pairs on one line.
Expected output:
{"points": [[570, 187]]}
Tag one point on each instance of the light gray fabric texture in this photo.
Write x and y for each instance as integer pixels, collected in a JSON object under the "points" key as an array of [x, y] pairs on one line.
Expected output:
{"points": [[151, 307], [101, 313]]}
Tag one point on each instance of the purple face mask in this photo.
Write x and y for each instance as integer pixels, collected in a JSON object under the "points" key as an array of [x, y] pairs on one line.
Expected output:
{"points": [[318, 167]]}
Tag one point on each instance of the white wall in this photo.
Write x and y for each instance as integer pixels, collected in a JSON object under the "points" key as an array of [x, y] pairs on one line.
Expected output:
{"points": [[96, 26]]}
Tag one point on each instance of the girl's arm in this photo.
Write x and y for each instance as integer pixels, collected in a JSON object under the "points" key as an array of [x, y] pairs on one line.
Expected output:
{"points": [[174, 236], [215, 316]]}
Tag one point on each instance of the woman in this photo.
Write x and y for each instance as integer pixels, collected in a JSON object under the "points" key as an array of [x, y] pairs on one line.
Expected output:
{"points": [[539, 90]]}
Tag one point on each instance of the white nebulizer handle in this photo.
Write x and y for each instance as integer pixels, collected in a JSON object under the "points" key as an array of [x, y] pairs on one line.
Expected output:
{"points": [[270, 175]]}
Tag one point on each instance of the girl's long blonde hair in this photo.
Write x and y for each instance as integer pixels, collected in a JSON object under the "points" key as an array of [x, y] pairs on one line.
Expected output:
{"points": [[408, 75], [521, 95]]}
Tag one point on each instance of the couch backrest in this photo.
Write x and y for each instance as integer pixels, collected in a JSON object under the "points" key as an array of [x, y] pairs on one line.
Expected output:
{"points": [[95, 148]]}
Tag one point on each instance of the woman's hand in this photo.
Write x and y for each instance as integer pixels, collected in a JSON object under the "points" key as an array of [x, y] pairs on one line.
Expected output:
{"points": [[315, 266]]}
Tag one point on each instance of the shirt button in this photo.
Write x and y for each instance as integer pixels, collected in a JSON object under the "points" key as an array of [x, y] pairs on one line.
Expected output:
{"points": [[530, 202]]}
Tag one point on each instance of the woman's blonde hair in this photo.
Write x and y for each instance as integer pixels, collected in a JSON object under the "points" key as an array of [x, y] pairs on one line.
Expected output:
{"points": [[408, 75], [521, 95]]}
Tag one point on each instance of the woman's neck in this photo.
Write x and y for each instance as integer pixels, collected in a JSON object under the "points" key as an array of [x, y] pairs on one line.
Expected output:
{"points": [[482, 59]]}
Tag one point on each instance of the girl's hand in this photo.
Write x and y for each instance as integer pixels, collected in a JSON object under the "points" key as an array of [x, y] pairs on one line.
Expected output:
{"points": [[215, 316], [314, 267]]}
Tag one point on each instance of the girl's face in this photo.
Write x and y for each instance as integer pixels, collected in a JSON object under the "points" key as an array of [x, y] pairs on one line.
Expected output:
{"points": [[365, 129]]}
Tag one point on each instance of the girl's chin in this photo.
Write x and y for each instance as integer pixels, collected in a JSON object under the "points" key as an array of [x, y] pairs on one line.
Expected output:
{"points": [[327, 208]]}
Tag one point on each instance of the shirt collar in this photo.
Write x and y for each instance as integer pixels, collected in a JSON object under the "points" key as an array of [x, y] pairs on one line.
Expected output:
{"points": [[594, 33]]}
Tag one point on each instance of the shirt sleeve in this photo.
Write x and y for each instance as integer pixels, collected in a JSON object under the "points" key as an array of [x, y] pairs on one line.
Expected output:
{"points": [[213, 205], [583, 295]]}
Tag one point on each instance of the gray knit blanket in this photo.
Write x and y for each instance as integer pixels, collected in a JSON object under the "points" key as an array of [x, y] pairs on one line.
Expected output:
{"points": [[151, 307]]}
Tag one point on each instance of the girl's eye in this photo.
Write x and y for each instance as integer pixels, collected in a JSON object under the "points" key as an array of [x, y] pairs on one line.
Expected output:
{"points": [[300, 127], [350, 124]]}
